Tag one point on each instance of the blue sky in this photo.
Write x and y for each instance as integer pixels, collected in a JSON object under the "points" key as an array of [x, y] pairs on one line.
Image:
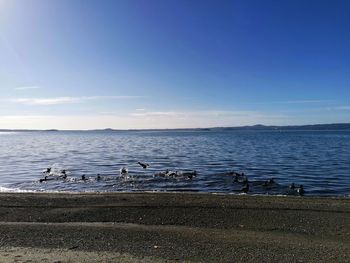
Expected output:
{"points": [[71, 64]]}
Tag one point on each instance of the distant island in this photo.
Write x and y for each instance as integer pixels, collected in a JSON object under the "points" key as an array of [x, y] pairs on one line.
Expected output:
{"points": [[316, 127], [333, 126]]}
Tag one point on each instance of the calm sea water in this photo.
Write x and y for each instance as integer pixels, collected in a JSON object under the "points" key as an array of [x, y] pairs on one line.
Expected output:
{"points": [[319, 160]]}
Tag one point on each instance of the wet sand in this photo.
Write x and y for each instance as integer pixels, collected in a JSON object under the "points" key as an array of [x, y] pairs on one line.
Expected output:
{"points": [[165, 227]]}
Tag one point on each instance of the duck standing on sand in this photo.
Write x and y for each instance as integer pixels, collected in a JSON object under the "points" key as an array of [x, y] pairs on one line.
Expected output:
{"points": [[144, 165]]}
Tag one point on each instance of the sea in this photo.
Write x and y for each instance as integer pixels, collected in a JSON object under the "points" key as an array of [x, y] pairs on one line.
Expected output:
{"points": [[270, 160]]}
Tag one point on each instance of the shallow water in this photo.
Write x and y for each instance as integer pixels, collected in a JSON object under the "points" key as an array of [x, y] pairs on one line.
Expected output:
{"points": [[319, 160]]}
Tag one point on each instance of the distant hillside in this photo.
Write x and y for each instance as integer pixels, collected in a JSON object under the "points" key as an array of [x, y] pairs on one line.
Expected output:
{"points": [[334, 126]]}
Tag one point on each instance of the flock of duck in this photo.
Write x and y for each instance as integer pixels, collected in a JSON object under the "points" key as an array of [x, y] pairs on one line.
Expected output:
{"points": [[293, 189], [238, 178]]}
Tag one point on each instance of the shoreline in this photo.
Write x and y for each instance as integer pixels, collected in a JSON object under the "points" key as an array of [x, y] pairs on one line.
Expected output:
{"points": [[165, 227], [7, 190]]}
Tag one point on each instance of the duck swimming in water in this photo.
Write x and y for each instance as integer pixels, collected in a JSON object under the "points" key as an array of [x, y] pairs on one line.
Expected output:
{"points": [[190, 174], [47, 171], [177, 174], [46, 178], [162, 174], [245, 180], [239, 177], [301, 190], [172, 173], [123, 171], [98, 177], [83, 177], [269, 182], [245, 189], [144, 165], [296, 190], [43, 180], [63, 174]]}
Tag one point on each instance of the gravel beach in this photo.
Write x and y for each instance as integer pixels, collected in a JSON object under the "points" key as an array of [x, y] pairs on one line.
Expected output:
{"points": [[172, 227]]}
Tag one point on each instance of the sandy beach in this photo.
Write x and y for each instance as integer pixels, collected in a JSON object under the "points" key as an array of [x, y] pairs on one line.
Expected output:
{"points": [[167, 227]]}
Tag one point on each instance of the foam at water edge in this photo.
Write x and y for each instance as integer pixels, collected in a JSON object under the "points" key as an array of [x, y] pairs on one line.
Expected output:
{"points": [[14, 190]]}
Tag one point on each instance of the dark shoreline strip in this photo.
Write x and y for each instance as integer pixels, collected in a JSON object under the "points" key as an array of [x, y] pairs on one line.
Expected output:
{"points": [[191, 227]]}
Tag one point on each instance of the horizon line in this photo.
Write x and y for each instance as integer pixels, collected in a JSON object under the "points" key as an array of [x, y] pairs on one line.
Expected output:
{"points": [[198, 128]]}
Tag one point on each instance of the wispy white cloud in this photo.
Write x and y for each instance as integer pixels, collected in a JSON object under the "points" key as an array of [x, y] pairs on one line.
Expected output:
{"points": [[303, 101], [156, 113], [45, 101], [346, 107], [27, 88], [64, 100], [216, 113]]}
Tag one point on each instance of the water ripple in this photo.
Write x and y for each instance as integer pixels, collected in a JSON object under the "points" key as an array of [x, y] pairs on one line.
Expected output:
{"points": [[317, 159]]}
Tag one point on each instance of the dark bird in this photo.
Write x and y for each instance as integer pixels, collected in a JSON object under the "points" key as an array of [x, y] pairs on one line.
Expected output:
{"points": [[43, 180], [269, 182], [123, 170], [162, 174], [144, 165], [98, 177], [64, 174], [83, 177], [301, 190], [47, 171], [245, 189], [245, 179], [172, 174], [190, 174], [239, 177], [46, 178]]}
